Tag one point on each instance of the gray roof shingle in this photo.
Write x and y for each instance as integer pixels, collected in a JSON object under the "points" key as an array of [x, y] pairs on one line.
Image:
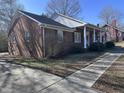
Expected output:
{"points": [[43, 19]]}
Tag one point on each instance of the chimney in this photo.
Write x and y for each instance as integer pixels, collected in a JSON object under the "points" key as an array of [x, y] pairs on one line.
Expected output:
{"points": [[97, 25], [114, 23]]}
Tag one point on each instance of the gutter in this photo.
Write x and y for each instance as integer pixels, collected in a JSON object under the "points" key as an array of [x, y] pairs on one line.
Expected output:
{"points": [[58, 27]]}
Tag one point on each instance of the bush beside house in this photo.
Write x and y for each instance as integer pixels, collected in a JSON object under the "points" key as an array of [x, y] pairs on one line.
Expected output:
{"points": [[110, 44], [97, 46]]}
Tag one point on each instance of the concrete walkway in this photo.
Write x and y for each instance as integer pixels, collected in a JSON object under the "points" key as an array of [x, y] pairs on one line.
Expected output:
{"points": [[81, 81]]}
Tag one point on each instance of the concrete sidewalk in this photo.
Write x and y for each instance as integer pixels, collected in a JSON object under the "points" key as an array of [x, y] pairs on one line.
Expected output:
{"points": [[82, 80]]}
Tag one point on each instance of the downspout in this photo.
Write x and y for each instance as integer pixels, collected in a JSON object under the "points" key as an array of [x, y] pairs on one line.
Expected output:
{"points": [[43, 42], [43, 39]]}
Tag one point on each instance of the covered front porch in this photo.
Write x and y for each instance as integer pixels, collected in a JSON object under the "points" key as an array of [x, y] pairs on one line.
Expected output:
{"points": [[90, 34]]}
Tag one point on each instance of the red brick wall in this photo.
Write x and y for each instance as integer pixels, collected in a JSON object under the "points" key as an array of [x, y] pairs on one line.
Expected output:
{"points": [[55, 48], [33, 48]]}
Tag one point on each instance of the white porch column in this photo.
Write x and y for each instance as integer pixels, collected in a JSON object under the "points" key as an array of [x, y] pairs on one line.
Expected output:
{"points": [[101, 37], [94, 35], [88, 39], [85, 37]]}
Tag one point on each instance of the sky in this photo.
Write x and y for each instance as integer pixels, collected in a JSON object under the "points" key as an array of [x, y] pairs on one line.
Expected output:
{"points": [[90, 8]]}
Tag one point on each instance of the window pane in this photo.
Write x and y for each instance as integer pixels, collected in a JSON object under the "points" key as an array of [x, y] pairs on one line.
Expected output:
{"points": [[77, 37], [60, 36], [27, 36]]}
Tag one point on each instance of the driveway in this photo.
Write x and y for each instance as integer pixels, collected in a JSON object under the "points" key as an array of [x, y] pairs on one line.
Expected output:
{"points": [[18, 79]]}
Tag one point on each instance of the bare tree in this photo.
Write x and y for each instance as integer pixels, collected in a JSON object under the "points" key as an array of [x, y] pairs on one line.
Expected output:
{"points": [[108, 14], [66, 7], [7, 11], [3, 41]]}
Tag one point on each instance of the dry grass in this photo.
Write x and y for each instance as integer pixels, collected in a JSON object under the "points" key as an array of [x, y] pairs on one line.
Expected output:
{"points": [[112, 81], [61, 67], [120, 44]]}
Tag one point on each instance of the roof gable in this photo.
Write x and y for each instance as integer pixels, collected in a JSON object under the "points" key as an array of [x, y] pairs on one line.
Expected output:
{"points": [[107, 25], [68, 21]]}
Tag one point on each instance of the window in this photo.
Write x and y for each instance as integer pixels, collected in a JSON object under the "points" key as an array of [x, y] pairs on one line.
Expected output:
{"points": [[77, 37], [60, 36], [27, 36], [12, 38]]}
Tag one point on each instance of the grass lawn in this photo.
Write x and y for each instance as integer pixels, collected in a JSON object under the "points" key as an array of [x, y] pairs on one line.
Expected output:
{"points": [[60, 67], [121, 44], [112, 81]]}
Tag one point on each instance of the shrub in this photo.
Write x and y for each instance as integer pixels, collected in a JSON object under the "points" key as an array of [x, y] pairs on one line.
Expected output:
{"points": [[76, 49], [97, 46], [3, 48], [110, 44]]}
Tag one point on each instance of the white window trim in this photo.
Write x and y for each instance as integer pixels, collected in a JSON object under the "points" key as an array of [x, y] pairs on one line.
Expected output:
{"points": [[77, 37], [27, 36], [60, 35], [12, 38]]}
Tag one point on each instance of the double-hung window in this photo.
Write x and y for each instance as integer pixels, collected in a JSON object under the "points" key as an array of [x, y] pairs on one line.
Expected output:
{"points": [[77, 37], [60, 35], [27, 36], [12, 38]]}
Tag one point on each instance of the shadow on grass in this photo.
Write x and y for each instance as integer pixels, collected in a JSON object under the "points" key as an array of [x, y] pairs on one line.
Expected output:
{"points": [[117, 49], [62, 66], [110, 84]]}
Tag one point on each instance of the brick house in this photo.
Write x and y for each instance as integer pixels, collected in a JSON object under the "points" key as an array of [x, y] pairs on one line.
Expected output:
{"points": [[112, 32], [32, 35]]}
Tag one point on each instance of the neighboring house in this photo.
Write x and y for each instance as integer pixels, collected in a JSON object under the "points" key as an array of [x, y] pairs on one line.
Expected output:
{"points": [[123, 35], [38, 36], [112, 32]]}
